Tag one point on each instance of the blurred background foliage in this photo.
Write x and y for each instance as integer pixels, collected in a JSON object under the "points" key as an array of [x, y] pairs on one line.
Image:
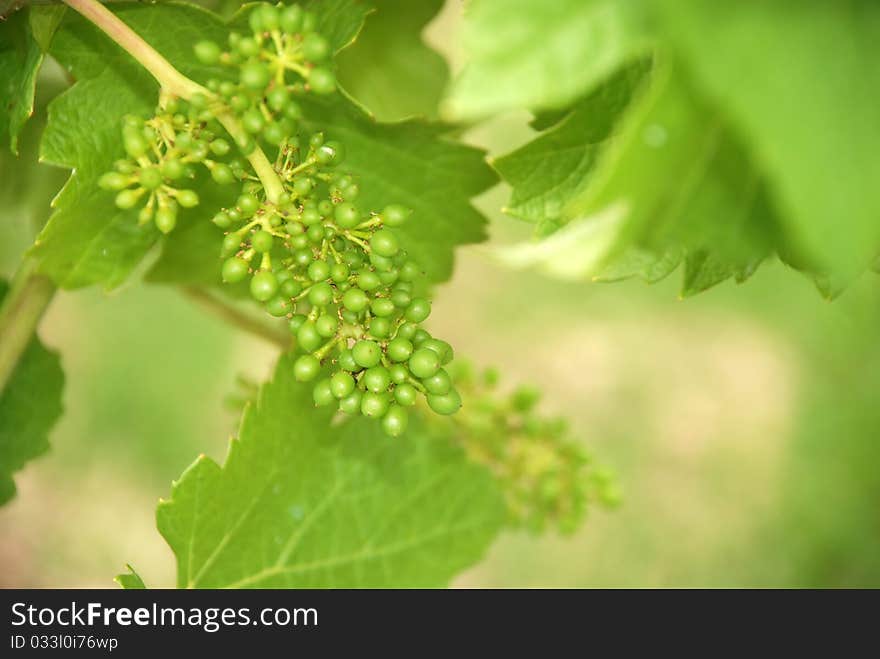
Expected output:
{"points": [[743, 423]]}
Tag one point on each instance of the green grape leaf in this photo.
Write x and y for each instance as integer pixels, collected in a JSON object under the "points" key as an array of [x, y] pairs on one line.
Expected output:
{"points": [[130, 580], [390, 69], [44, 21], [801, 82], [303, 503], [549, 171], [673, 184], [30, 404], [87, 239], [20, 60], [536, 54], [410, 163]]}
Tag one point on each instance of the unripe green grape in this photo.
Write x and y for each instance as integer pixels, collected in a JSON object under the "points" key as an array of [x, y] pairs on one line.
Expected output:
{"points": [[418, 310], [339, 272], [247, 46], [423, 363], [401, 299], [222, 174], [403, 286], [346, 361], [239, 102], [355, 300], [314, 47], [330, 153], [353, 259], [376, 379], [399, 349], [262, 241], [384, 243], [445, 404], [207, 52], [315, 233], [382, 307], [368, 280], [341, 384], [407, 330], [395, 215], [524, 398], [187, 198], [290, 19], [347, 215], [442, 348], [310, 217], [220, 147], [264, 286], [322, 394], [322, 81], [381, 263], [440, 383], [150, 178], [247, 204], [399, 373], [395, 421], [302, 257], [113, 181], [283, 276], [145, 215], [420, 337], [277, 306], [127, 199], [198, 101], [380, 328], [327, 325], [231, 243], [316, 140], [351, 404], [350, 317], [135, 145], [409, 271], [319, 271], [269, 17], [296, 322], [222, 220], [293, 111], [321, 294], [374, 405], [166, 219], [291, 288], [303, 186], [307, 337], [306, 368], [278, 98], [234, 270], [294, 228], [366, 353], [274, 133], [253, 121], [406, 394], [388, 278], [350, 191]]}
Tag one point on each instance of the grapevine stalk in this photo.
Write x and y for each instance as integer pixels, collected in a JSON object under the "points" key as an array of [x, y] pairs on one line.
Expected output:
{"points": [[21, 311], [174, 82]]}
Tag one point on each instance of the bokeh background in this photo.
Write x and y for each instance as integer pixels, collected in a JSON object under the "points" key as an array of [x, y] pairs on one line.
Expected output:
{"points": [[743, 424]]}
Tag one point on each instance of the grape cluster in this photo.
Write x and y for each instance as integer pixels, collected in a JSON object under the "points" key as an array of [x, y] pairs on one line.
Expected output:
{"points": [[163, 153], [353, 298], [547, 477]]}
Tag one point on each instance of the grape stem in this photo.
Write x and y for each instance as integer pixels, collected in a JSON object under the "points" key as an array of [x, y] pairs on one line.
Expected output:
{"points": [[21, 311], [238, 317], [174, 82]]}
